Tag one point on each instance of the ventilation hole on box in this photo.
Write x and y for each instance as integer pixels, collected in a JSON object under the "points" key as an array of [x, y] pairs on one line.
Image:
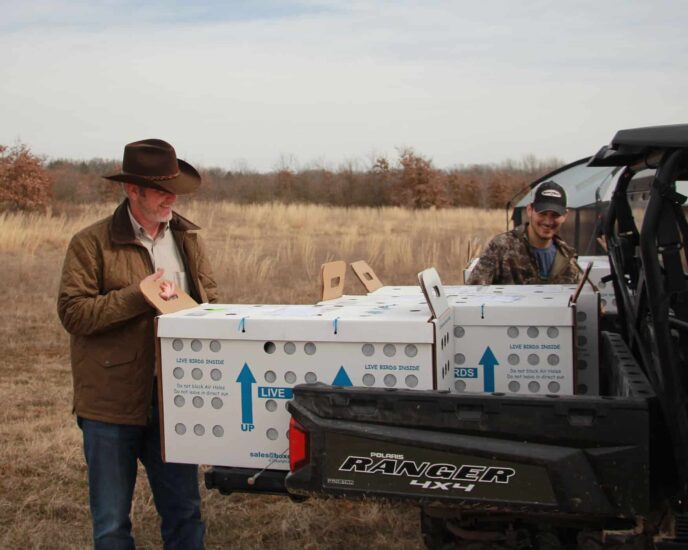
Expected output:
{"points": [[179, 400], [270, 376], [581, 316], [289, 377], [460, 386], [197, 402], [289, 348], [309, 348], [216, 374], [272, 434], [514, 386], [411, 381], [390, 380], [459, 332], [581, 389], [178, 373], [197, 374], [582, 340], [311, 378], [513, 359], [286, 434], [512, 332], [533, 332], [196, 345], [215, 346], [368, 380], [553, 359], [553, 387], [180, 428], [390, 350], [582, 364], [533, 387], [199, 429], [533, 359], [177, 344], [269, 347], [411, 350], [459, 358], [216, 403], [271, 405], [368, 349], [552, 332], [218, 431]]}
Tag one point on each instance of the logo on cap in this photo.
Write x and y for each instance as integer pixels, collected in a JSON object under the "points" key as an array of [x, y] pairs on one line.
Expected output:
{"points": [[551, 193]]}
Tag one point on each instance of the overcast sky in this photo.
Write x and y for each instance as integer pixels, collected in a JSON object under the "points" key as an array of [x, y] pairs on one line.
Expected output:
{"points": [[251, 84]]}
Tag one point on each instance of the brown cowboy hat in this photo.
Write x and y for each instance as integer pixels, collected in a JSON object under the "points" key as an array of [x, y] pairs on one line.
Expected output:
{"points": [[154, 163]]}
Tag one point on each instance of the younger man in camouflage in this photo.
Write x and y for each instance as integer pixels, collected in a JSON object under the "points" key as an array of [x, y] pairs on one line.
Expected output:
{"points": [[532, 253]]}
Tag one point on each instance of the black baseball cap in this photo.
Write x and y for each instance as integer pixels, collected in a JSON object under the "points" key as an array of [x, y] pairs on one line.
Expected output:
{"points": [[550, 196]]}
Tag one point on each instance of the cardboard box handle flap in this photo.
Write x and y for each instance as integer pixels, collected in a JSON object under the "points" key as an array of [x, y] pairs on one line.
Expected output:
{"points": [[151, 292], [332, 275], [366, 275], [433, 290], [586, 274]]}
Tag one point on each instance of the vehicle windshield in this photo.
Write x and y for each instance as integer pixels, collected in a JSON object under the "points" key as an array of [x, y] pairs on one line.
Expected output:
{"points": [[583, 184]]}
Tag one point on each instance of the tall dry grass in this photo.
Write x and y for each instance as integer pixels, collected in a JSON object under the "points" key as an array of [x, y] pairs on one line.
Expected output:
{"points": [[261, 254]]}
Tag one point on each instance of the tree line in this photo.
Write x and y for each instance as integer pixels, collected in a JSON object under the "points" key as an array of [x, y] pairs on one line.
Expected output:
{"points": [[28, 182]]}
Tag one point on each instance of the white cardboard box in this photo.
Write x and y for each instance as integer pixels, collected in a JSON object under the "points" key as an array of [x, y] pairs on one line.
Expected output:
{"points": [[586, 357], [227, 371], [514, 342]]}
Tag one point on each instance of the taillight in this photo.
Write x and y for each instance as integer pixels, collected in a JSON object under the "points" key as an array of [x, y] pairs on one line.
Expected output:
{"points": [[298, 446]]}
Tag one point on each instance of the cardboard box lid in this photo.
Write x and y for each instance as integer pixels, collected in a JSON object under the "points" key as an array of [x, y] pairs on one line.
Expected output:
{"points": [[599, 262], [502, 309], [351, 323]]}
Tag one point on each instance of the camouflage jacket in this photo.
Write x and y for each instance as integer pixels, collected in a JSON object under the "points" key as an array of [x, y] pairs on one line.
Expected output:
{"points": [[508, 260]]}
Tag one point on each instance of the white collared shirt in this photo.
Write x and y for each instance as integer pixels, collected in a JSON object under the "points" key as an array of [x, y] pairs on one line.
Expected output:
{"points": [[163, 252]]}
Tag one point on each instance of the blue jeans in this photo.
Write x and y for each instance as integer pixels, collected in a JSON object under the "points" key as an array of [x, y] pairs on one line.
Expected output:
{"points": [[111, 453]]}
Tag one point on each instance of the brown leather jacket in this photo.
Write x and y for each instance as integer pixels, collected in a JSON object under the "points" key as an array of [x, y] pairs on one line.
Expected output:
{"points": [[110, 323], [508, 260]]}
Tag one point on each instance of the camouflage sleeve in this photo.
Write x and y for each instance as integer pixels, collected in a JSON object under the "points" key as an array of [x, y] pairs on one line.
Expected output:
{"points": [[487, 269]]}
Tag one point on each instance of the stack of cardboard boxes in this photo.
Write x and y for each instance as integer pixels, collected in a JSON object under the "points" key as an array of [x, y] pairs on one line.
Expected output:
{"points": [[227, 371]]}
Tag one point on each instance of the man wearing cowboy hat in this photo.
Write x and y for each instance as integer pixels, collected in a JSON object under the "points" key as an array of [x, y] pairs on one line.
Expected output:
{"points": [[113, 345], [532, 253]]}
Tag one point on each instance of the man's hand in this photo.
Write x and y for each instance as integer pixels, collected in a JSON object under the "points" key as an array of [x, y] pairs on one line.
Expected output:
{"points": [[168, 290]]}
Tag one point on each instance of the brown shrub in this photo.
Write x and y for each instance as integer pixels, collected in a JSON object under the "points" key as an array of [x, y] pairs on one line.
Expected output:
{"points": [[24, 184]]}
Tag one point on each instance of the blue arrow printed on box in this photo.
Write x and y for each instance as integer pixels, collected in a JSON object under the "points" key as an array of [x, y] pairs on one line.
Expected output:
{"points": [[488, 361], [246, 380]]}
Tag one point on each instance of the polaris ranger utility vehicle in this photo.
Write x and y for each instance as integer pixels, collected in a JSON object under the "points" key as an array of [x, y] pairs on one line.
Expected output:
{"points": [[517, 471]]}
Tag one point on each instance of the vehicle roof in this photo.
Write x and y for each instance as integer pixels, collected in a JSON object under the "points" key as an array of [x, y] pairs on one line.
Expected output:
{"points": [[674, 135], [639, 144]]}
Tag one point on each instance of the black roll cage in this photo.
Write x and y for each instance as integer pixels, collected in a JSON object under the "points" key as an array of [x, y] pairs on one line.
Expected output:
{"points": [[650, 282]]}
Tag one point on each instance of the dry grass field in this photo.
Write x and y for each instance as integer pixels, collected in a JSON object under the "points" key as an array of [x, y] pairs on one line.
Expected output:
{"points": [[261, 254]]}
